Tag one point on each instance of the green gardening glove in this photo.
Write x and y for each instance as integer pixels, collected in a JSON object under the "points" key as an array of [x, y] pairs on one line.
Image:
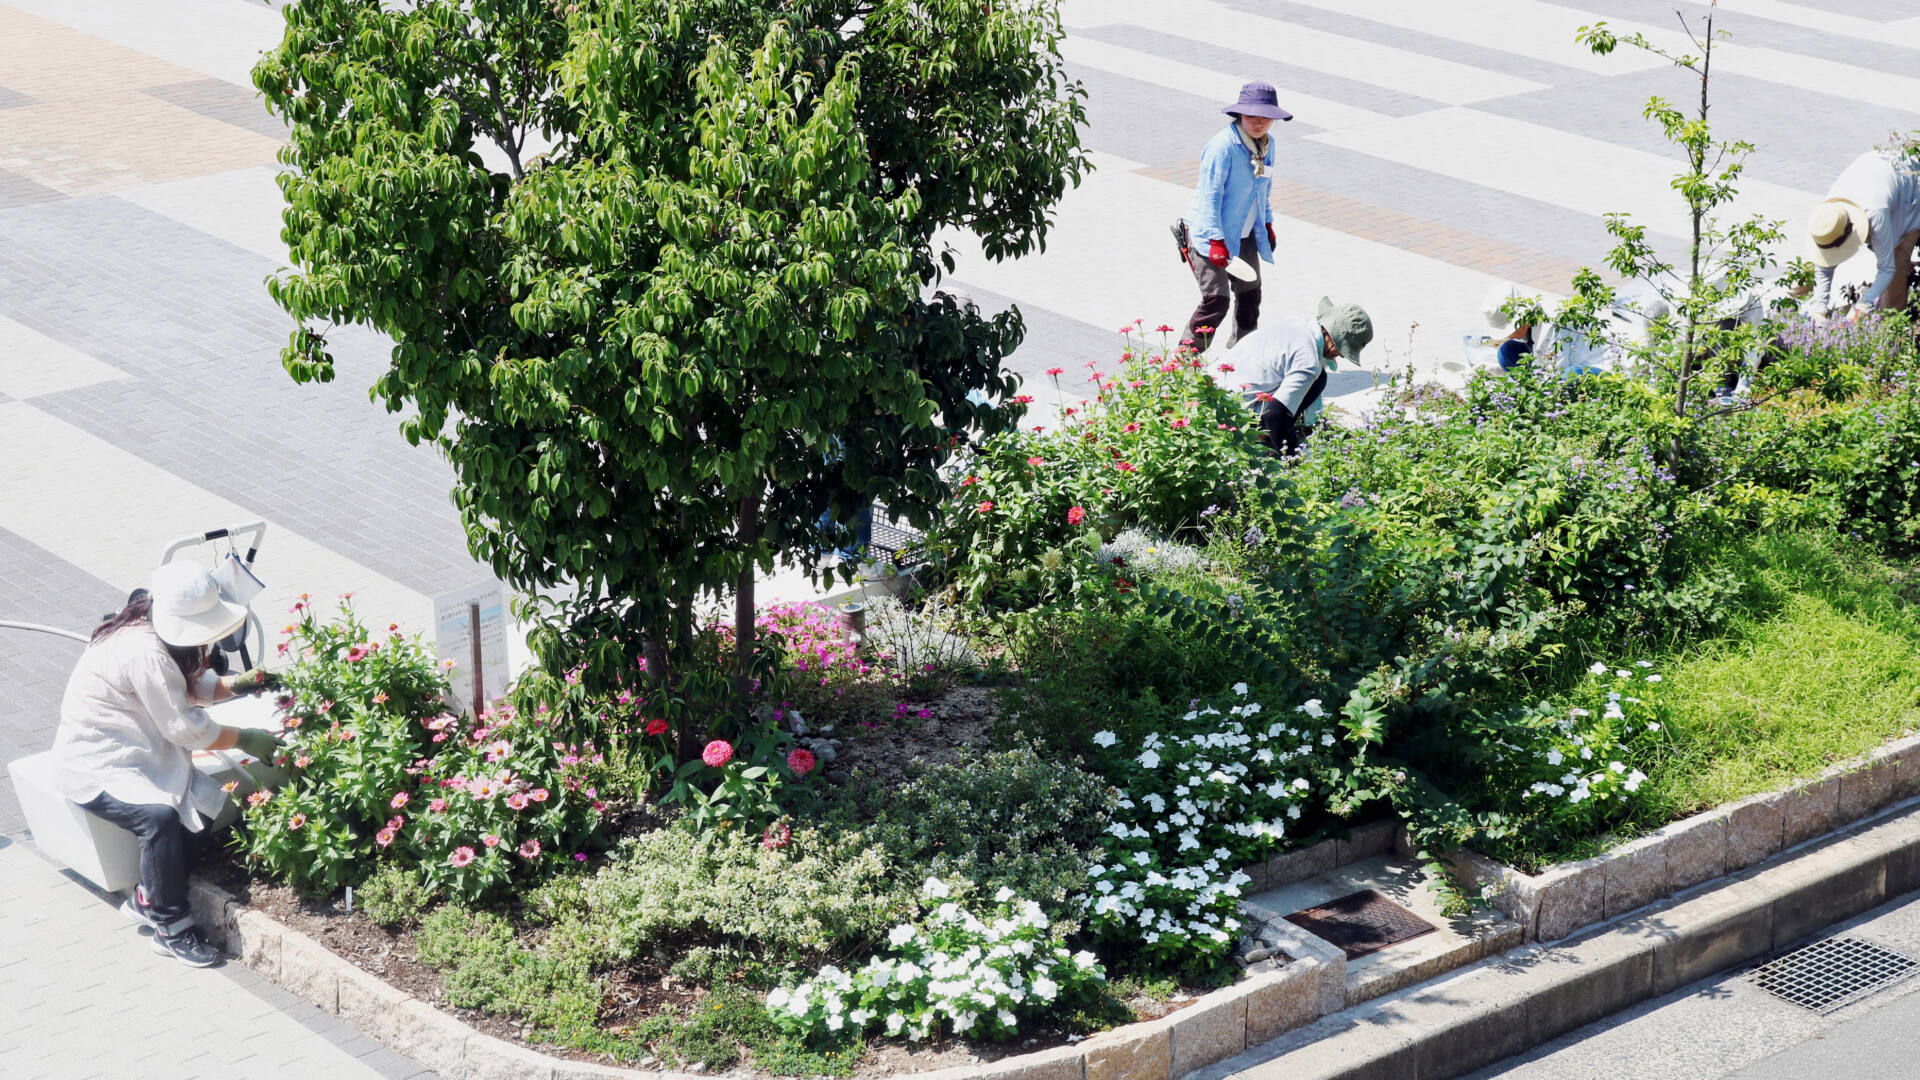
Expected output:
{"points": [[255, 680], [261, 744]]}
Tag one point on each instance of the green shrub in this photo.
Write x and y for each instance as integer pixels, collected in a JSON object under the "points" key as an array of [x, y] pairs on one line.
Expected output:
{"points": [[395, 896], [826, 894], [485, 966]]}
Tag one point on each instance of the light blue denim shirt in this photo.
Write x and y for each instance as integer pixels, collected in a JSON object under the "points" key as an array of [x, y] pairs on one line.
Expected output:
{"points": [[1228, 191]]}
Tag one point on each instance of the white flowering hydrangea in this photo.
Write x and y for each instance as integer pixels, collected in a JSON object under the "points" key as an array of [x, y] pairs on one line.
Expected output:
{"points": [[1195, 809], [957, 971]]}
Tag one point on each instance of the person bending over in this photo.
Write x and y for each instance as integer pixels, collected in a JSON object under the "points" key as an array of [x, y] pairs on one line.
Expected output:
{"points": [[1282, 366]]}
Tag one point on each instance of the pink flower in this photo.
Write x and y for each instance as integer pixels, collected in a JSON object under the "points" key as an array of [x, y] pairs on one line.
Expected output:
{"points": [[302, 761], [1076, 515], [296, 821], [482, 789], [656, 726], [358, 652], [530, 849], [259, 798], [461, 856], [778, 835], [1036, 461], [385, 837], [1163, 328], [380, 698], [437, 805], [399, 800], [1125, 466], [1179, 422], [490, 840], [717, 753], [538, 794], [517, 801], [440, 736], [579, 856], [1055, 371], [969, 481], [801, 762]]}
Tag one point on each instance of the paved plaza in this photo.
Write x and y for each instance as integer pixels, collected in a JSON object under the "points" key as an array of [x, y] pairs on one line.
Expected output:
{"points": [[1440, 147]]}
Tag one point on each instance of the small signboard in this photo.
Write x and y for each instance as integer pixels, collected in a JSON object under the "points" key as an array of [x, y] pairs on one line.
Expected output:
{"points": [[470, 629]]}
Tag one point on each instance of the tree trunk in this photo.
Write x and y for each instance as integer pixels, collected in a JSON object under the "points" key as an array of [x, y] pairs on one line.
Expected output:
{"points": [[744, 630]]}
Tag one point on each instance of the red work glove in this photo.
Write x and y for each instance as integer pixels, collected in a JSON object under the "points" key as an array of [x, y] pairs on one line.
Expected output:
{"points": [[1271, 241], [1217, 254]]}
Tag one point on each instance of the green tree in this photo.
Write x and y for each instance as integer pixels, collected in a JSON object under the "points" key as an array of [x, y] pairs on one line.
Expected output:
{"points": [[706, 313], [1724, 263]]}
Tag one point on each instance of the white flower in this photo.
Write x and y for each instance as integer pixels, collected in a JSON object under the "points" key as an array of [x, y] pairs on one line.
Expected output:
{"points": [[1653, 726], [777, 998], [835, 1022], [1326, 738], [1149, 760], [900, 936], [1005, 894], [1312, 708], [1293, 812], [1240, 688], [1618, 766], [1104, 738], [933, 886], [1653, 678], [1622, 673], [1598, 668], [1142, 858], [1643, 663], [894, 1023], [1634, 778], [1300, 784], [1045, 988], [1554, 757]]}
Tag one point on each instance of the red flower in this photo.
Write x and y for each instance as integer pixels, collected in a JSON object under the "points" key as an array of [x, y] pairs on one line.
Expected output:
{"points": [[1024, 399], [656, 726], [1131, 428], [970, 481], [1163, 328], [1076, 515], [1126, 466], [1126, 329], [717, 753], [778, 835], [985, 507], [801, 762], [1055, 371]]}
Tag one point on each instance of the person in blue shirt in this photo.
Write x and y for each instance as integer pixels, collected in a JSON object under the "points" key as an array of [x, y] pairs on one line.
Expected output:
{"points": [[1231, 216]]}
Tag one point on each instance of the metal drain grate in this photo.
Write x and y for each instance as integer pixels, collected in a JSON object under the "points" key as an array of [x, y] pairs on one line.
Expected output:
{"points": [[1362, 923], [1829, 974]]}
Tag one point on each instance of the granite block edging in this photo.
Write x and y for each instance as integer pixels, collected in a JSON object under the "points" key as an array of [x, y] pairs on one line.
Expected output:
{"points": [[1692, 851], [1267, 1001]]}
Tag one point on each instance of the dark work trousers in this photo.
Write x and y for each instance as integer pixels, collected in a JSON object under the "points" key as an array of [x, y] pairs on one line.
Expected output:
{"points": [[163, 856], [1218, 289], [1277, 426]]}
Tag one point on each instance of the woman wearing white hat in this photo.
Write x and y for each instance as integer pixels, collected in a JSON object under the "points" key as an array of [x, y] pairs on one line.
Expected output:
{"points": [[129, 725], [1875, 202]]}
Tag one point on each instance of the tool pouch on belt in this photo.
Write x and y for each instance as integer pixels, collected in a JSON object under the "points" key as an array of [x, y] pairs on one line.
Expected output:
{"points": [[1179, 229]]}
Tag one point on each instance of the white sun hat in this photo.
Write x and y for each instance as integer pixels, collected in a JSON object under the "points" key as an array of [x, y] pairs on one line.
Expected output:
{"points": [[1835, 230], [187, 609]]}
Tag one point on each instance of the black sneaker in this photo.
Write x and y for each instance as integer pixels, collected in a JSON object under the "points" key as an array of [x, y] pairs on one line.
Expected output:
{"points": [[135, 908], [189, 946]]}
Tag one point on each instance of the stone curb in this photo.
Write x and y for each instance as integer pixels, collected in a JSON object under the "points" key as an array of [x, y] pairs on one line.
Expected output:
{"points": [[1507, 1004], [1268, 1002], [1725, 840]]}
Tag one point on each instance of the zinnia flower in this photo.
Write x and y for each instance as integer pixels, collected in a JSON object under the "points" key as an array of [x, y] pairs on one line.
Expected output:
{"points": [[517, 800], [385, 837], [538, 794], [490, 840], [437, 805], [1055, 371], [985, 507], [656, 726], [1076, 515], [296, 821], [778, 835], [529, 849], [358, 652], [461, 856], [717, 753], [399, 800], [801, 762]]}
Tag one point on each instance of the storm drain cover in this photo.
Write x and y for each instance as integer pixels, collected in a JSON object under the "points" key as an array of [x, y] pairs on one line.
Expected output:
{"points": [[1362, 923], [1831, 973]]}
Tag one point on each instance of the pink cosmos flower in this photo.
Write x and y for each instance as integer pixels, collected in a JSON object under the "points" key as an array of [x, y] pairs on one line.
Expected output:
{"points": [[801, 762], [530, 849], [1126, 466], [399, 800], [717, 753], [579, 856], [461, 856]]}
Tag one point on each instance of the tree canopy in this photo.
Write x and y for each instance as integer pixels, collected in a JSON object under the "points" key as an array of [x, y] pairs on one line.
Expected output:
{"points": [[696, 306]]}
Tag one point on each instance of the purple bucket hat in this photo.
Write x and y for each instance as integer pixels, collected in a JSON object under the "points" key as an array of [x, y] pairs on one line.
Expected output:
{"points": [[1258, 99]]}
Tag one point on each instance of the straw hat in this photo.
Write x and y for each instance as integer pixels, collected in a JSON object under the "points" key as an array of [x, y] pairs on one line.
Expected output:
{"points": [[187, 609], [1835, 230]]}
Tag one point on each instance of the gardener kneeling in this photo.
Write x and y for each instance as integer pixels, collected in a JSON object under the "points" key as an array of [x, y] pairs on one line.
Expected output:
{"points": [[1282, 366], [129, 725]]}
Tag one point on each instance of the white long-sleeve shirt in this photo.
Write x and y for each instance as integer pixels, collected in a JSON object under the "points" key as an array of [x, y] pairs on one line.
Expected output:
{"points": [[129, 727], [1888, 189], [1281, 358]]}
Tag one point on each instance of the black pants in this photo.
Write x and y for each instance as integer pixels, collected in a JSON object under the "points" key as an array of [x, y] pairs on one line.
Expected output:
{"points": [[1277, 426], [1219, 290], [163, 856]]}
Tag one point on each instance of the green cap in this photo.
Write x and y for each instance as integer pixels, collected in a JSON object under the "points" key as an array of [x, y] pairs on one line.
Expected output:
{"points": [[1348, 326]]}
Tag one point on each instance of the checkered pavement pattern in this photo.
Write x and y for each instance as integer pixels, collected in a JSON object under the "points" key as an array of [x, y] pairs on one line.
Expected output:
{"points": [[139, 352]]}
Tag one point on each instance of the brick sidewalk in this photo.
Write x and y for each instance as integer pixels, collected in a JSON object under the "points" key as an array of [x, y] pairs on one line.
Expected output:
{"points": [[87, 997]]}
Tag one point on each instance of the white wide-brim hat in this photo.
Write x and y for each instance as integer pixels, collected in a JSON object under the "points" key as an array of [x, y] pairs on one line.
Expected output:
{"points": [[187, 608], [1835, 230]]}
